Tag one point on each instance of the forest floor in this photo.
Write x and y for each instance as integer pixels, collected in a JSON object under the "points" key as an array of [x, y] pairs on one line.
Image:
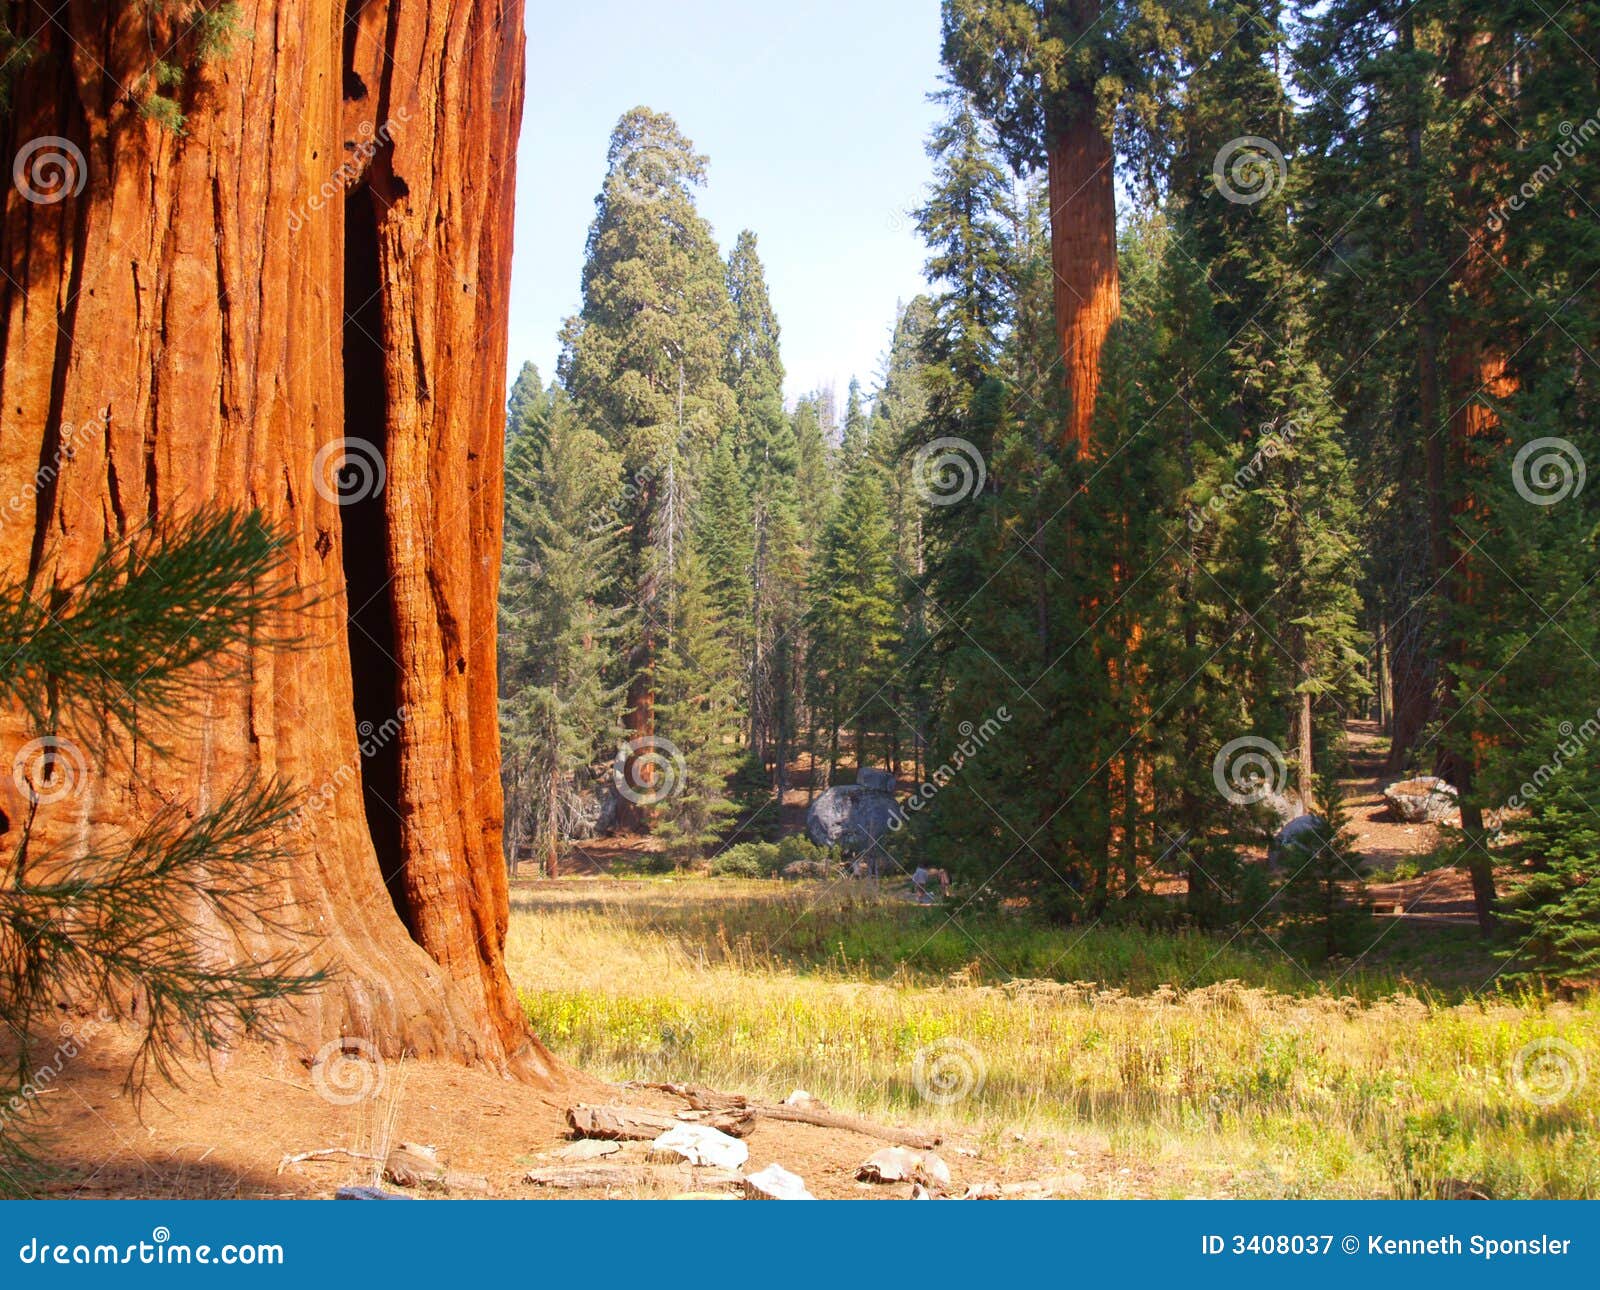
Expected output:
{"points": [[1417, 890], [1111, 1061], [239, 1130]]}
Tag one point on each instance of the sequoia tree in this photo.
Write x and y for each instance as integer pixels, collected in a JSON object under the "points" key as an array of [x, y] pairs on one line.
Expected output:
{"points": [[257, 255], [1052, 76], [644, 361]]}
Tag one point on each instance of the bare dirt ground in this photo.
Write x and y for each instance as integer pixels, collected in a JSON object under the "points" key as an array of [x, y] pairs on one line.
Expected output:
{"points": [[232, 1133], [1442, 896]]}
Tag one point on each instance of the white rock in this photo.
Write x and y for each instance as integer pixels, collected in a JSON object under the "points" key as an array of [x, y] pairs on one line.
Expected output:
{"points": [[776, 1183], [701, 1145], [892, 1164]]}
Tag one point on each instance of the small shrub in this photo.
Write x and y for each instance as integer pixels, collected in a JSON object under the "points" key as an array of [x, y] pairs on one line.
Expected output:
{"points": [[747, 860], [795, 847]]}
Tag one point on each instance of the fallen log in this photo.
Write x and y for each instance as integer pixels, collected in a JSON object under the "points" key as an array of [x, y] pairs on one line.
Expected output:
{"points": [[605, 1176], [619, 1123], [639, 1124], [698, 1097], [809, 1111], [815, 1113]]}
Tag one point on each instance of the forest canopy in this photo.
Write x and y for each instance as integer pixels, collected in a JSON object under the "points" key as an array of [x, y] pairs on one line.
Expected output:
{"points": [[1250, 398]]}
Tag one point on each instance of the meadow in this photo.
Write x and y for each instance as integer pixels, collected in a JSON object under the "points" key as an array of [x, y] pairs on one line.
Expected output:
{"points": [[1212, 1067]]}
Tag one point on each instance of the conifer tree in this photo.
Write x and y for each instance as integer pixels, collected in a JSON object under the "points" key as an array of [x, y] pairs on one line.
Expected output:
{"points": [[855, 441], [725, 538], [769, 455], [854, 615], [528, 405], [645, 360], [560, 701], [697, 715], [1053, 76], [1288, 441]]}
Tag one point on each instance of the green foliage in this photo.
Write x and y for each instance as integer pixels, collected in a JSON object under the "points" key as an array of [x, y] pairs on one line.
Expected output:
{"points": [[747, 860], [1321, 891], [725, 537], [646, 356], [697, 712], [967, 223], [853, 619], [201, 32], [560, 701], [112, 922], [1554, 915], [120, 645], [1033, 65]]}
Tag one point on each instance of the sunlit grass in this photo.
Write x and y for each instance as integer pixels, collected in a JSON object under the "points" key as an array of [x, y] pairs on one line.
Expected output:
{"points": [[1206, 1070]]}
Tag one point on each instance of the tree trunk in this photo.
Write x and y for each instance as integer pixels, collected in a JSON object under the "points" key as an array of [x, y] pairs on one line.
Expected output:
{"points": [[1083, 253], [639, 721], [1305, 752], [1412, 646], [552, 849], [321, 254], [1411, 681], [1476, 374]]}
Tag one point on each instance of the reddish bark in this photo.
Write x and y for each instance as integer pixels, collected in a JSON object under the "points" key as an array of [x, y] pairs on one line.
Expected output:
{"points": [[1476, 377], [188, 307], [1083, 252]]}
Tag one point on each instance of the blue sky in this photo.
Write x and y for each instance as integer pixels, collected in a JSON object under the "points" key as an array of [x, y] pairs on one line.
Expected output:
{"points": [[814, 115]]}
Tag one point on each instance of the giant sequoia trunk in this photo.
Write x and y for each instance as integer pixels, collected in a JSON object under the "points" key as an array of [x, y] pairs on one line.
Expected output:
{"points": [[321, 253], [1477, 377], [1083, 254]]}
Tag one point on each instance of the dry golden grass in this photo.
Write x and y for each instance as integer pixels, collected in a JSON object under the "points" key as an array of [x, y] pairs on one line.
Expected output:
{"points": [[1224, 1088]]}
